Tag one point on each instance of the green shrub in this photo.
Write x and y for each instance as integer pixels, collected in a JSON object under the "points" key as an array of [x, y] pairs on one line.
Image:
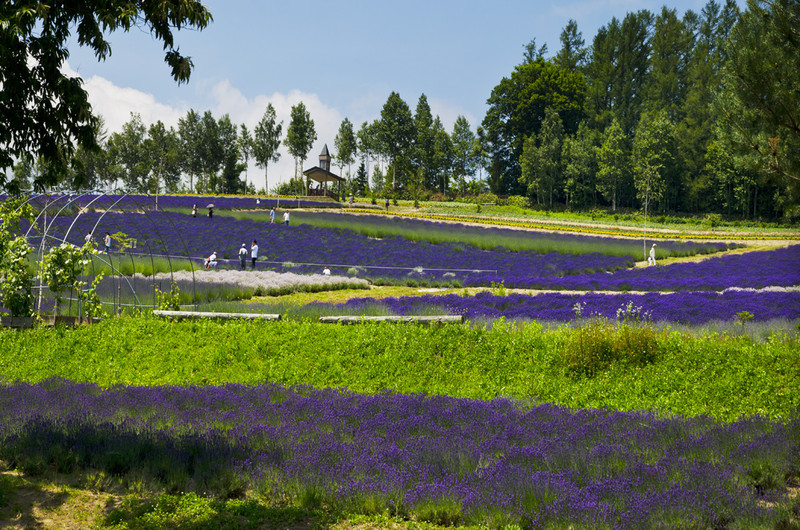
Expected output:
{"points": [[599, 343], [517, 200]]}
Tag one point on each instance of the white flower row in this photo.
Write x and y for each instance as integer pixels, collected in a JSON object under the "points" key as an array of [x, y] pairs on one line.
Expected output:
{"points": [[254, 279]]}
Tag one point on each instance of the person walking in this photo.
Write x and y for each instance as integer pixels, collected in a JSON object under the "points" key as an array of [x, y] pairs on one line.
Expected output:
{"points": [[107, 243], [387, 204], [194, 210], [210, 212], [272, 216], [254, 253], [286, 217], [243, 256], [652, 259]]}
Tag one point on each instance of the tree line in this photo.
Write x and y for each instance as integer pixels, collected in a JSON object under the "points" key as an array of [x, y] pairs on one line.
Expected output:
{"points": [[696, 113], [681, 114]]}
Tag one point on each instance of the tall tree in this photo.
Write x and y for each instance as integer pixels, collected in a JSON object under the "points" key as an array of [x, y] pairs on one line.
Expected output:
{"points": [[300, 136], [190, 139], [672, 43], [442, 155], [612, 163], [367, 143], [760, 104], [209, 150], [652, 151], [266, 141], [245, 145], [579, 154], [572, 54], [464, 159], [424, 143], [632, 69], [602, 75], [396, 131], [164, 154], [229, 180], [345, 144], [129, 153], [542, 169], [44, 111]]}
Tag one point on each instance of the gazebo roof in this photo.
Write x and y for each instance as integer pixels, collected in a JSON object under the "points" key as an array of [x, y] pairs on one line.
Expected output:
{"points": [[318, 174]]}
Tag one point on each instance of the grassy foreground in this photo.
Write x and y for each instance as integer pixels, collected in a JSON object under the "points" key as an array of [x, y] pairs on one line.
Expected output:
{"points": [[623, 368]]}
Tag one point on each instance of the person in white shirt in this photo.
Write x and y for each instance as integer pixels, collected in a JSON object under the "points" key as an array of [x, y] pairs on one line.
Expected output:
{"points": [[652, 259], [326, 271], [286, 217], [254, 253], [211, 261]]}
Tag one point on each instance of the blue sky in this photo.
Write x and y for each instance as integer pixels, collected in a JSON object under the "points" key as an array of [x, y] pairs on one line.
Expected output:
{"points": [[342, 59]]}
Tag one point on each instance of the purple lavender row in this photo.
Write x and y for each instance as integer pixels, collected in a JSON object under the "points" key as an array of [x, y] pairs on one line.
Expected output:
{"points": [[493, 461], [680, 307], [341, 250], [757, 270]]}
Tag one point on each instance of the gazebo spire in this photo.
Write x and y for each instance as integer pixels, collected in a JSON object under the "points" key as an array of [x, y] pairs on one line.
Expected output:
{"points": [[325, 159]]}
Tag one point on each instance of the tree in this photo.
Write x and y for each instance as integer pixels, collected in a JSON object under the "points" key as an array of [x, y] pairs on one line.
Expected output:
{"points": [[516, 111], [633, 70], [612, 163], [442, 155], [760, 103], [189, 135], [266, 141], [541, 159], [129, 154], [572, 54], [580, 167], [300, 136], [245, 145], [361, 183], [345, 144], [396, 131], [44, 112], [652, 154], [424, 143], [164, 155], [229, 180], [367, 144], [209, 151], [464, 156], [672, 43]]}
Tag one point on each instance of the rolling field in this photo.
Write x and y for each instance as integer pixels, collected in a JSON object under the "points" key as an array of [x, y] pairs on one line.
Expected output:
{"points": [[621, 396]]}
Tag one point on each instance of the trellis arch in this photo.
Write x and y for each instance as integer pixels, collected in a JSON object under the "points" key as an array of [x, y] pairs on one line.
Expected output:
{"points": [[64, 217]]}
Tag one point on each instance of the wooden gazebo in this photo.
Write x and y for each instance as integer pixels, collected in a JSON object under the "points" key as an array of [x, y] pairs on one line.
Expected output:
{"points": [[322, 175]]}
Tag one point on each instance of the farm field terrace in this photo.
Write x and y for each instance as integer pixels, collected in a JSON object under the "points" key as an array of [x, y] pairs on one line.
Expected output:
{"points": [[606, 417]]}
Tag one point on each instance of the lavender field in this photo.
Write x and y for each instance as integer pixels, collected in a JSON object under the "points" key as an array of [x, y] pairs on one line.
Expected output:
{"points": [[432, 458], [682, 307], [388, 449]]}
